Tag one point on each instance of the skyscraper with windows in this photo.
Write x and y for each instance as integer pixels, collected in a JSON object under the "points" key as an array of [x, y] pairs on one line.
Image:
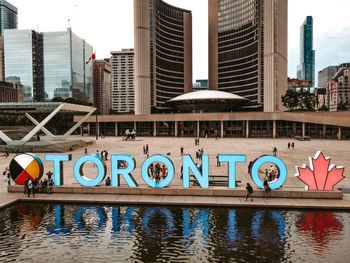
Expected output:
{"points": [[122, 88], [306, 68], [8, 16], [163, 54], [48, 65], [248, 50], [24, 62]]}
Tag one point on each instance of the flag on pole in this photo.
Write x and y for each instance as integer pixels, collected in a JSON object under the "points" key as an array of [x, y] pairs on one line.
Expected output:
{"points": [[93, 57]]}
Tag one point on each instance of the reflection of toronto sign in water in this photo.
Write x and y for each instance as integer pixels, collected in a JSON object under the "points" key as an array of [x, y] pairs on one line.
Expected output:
{"points": [[19, 165]]}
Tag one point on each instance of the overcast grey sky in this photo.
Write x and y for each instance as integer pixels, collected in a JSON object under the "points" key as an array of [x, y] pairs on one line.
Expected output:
{"points": [[108, 25]]}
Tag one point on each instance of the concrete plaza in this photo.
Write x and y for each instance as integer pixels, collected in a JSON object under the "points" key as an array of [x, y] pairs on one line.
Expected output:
{"points": [[338, 150]]}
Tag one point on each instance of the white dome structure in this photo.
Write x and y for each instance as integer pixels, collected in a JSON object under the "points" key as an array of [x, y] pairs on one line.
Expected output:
{"points": [[208, 100]]}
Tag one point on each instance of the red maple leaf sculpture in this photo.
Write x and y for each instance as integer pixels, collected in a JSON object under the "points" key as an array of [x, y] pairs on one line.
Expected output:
{"points": [[321, 176]]}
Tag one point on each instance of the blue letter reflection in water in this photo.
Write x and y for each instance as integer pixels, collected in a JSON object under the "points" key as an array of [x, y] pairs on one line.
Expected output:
{"points": [[232, 228], [157, 212], [200, 221], [83, 209], [59, 220], [266, 216], [119, 220], [125, 172], [269, 159], [187, 164]]}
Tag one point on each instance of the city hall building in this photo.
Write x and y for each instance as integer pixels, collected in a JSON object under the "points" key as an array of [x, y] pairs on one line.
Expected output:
{"points": [[331, 125]]}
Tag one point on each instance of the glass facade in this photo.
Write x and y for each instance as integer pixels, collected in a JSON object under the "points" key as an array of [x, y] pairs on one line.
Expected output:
{"points": [[49, 64], [66, 74], [8, 16], [306, 69], [23, 61], [57, 79]]}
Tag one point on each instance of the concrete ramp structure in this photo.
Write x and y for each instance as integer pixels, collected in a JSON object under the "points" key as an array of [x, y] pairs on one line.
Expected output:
{"points": [[52, 108]]}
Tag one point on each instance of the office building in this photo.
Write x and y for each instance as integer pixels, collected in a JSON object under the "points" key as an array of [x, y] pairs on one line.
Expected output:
{"points": [[102, 85], [306, 68], [66, 74], [11, 92], [2, 59], [24, 62], [248, 50], [324, 77], [8, 16], [163, 54], [339, 89], [122, 78], [48, 65]]}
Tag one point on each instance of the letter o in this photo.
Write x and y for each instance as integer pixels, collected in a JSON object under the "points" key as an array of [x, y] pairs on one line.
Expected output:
{"points": [[269, 159], [162, 159], [78, 170]]}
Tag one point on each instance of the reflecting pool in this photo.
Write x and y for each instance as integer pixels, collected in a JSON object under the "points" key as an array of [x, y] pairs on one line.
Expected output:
{"points": [[65, 233]]}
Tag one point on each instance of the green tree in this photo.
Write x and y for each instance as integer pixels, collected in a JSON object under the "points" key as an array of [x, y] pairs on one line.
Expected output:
{"points": [[301, 100]]}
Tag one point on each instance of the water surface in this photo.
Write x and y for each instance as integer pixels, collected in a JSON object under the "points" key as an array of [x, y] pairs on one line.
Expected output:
{"points": [[66, 233]]}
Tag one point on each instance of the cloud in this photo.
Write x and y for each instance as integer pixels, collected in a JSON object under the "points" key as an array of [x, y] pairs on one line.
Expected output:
{"points": [[332, 48]]}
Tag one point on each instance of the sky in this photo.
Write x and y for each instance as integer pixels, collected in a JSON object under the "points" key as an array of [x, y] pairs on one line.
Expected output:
{"points": [[108, 26]]}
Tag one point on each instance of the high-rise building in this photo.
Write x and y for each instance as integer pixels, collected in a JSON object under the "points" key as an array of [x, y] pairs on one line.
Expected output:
{"points": [[306, 68], [324, 77], [24, 62], [339, 89], [11, 92], [48, 65], [102, 85], [8, 16], [248, 50], [163, 54], [66, 74], [122, 88]]}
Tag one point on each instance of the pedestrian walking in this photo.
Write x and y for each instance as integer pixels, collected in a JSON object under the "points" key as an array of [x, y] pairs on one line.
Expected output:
{"points": [[249, 192], [217, 161], [147, 150], [274, 151], [49, 175], [85, 151], [267, 189], [30, 187], [26, 185], [182, 150], [8, 178], [293, 145], [288, 145]]}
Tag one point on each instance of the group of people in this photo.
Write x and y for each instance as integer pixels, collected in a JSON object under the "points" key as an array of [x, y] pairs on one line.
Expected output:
{"points": [[157, 172], [250, 190], [36, 186], [196, 141], [146, 150], [103, 154], [199, 153], [271, 174], [290, 144]]}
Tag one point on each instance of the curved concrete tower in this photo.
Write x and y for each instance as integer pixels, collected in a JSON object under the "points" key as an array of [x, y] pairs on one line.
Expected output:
{"points": [[142, 57]]}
